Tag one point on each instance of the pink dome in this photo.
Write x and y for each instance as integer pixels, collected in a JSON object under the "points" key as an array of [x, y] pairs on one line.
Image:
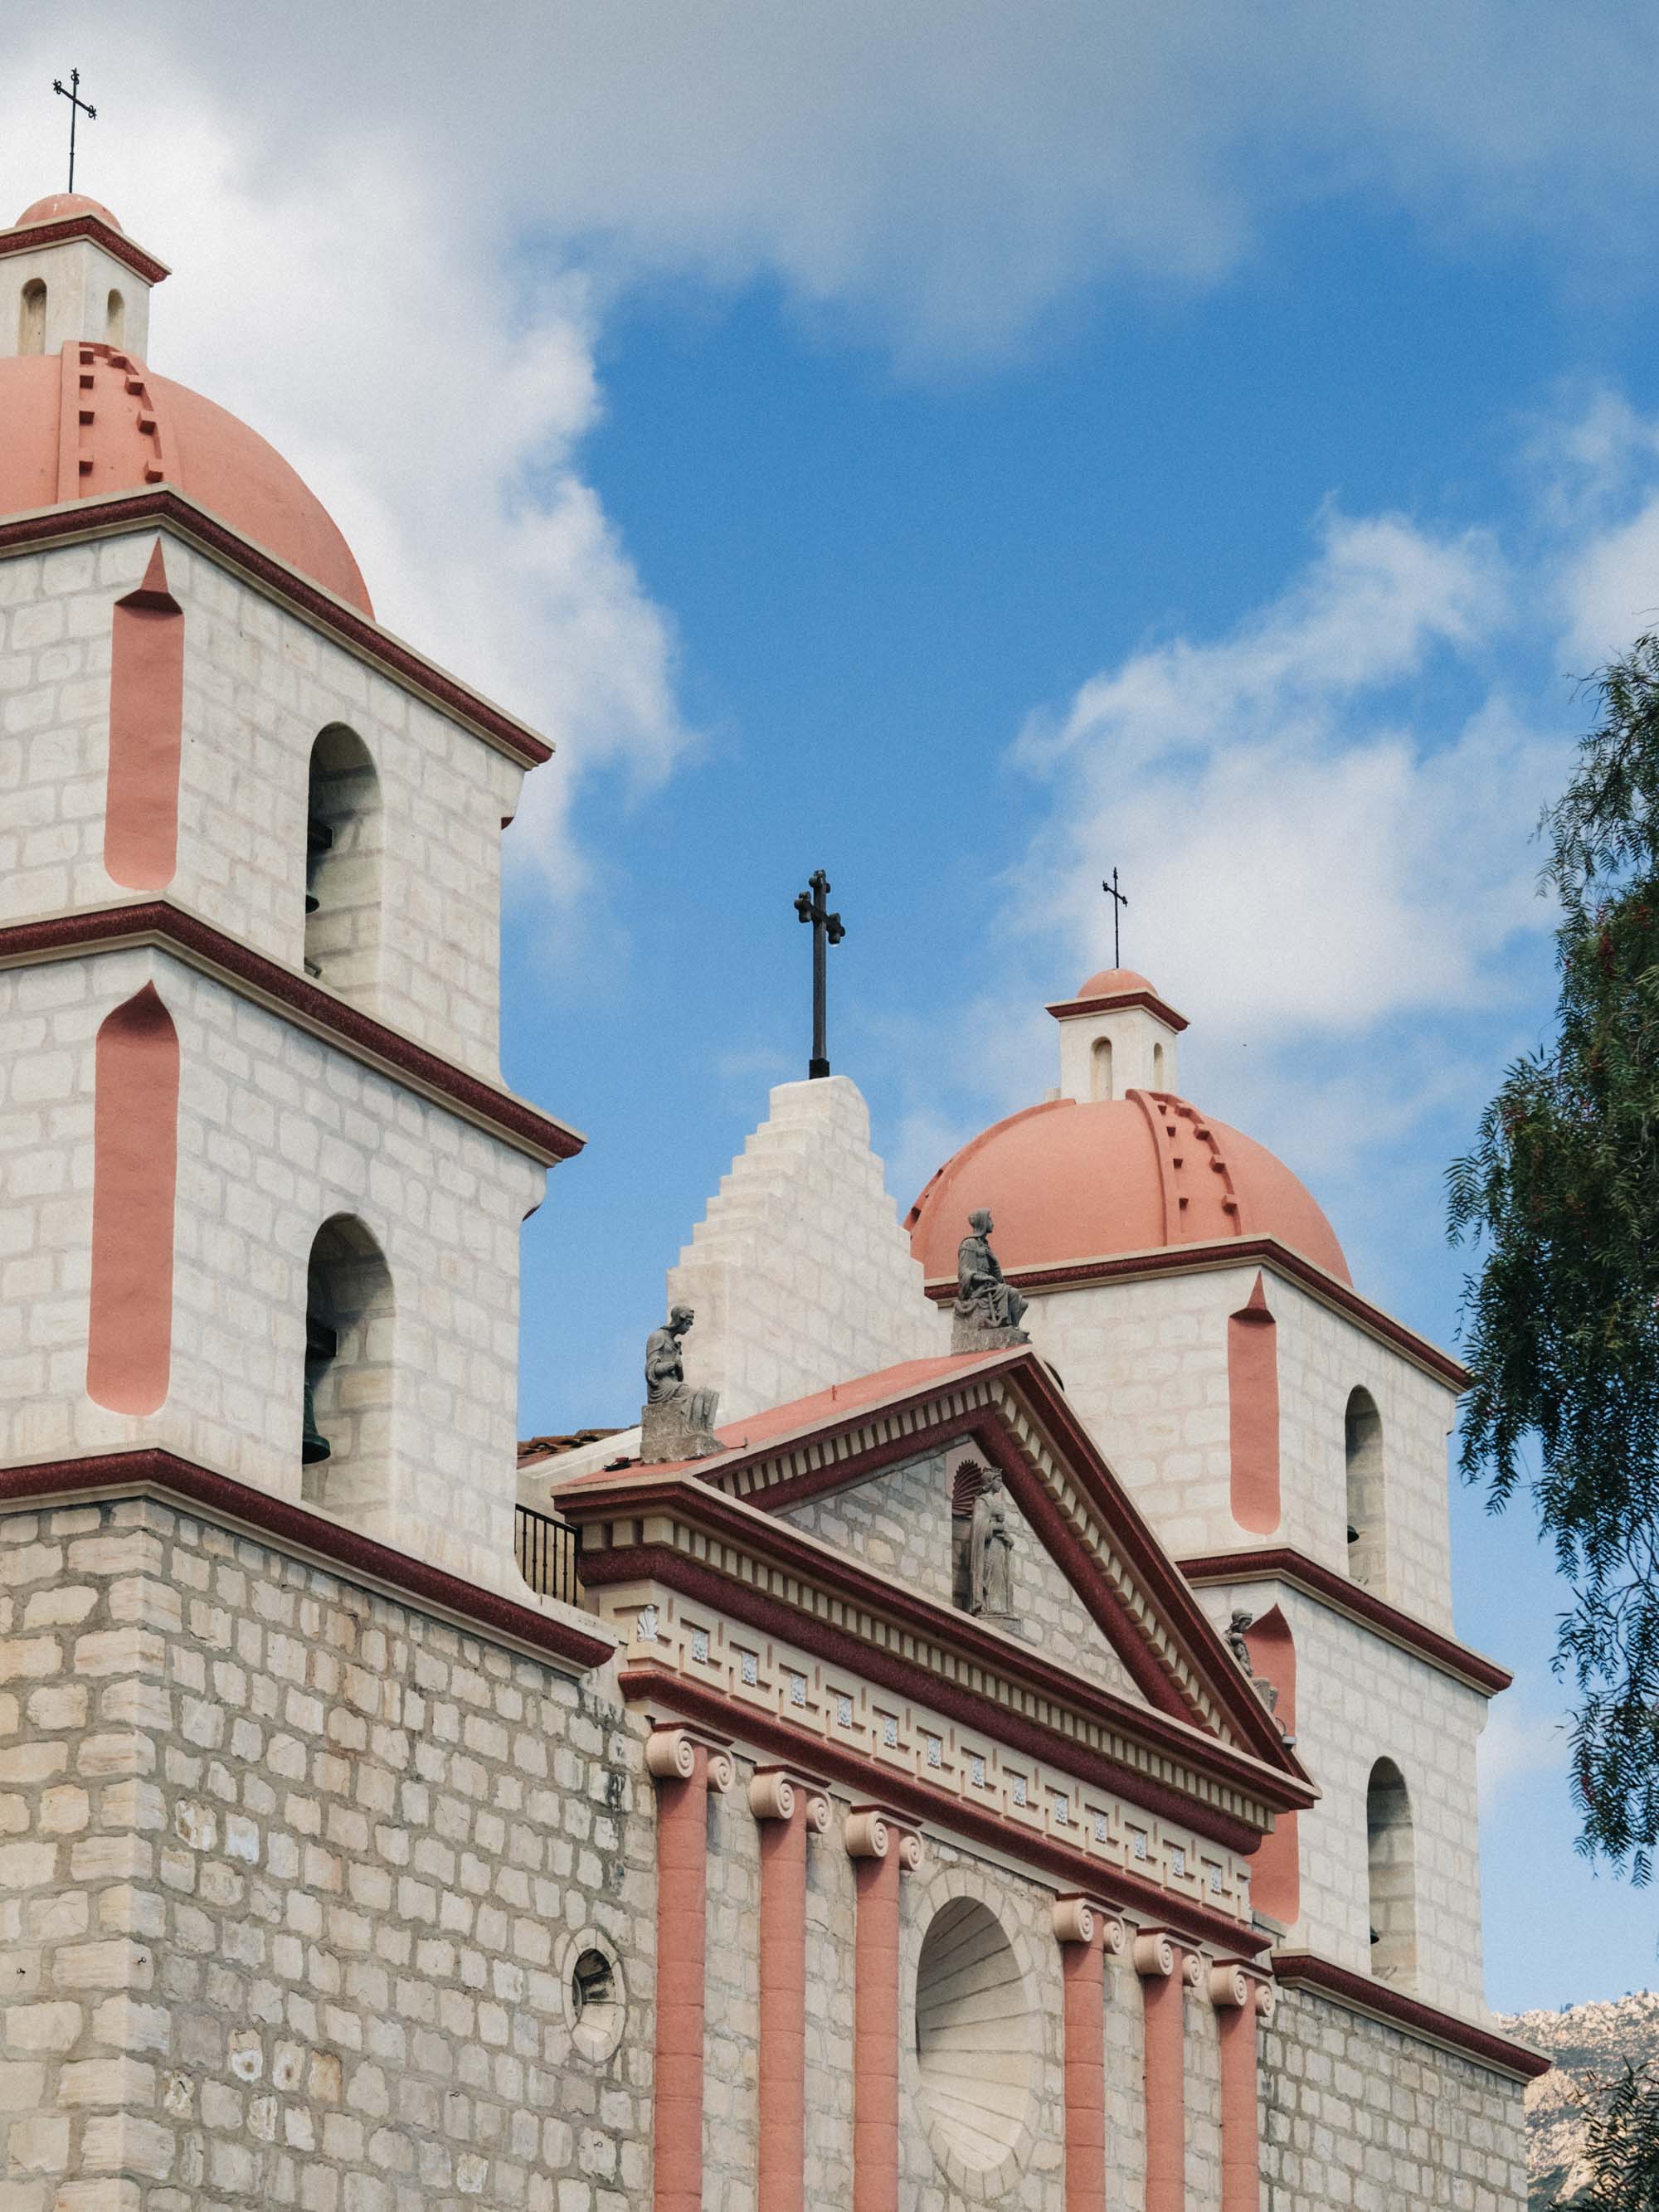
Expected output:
{"points": [[1068, 1182], [137, 430], [1113, 983], [58, 206]]}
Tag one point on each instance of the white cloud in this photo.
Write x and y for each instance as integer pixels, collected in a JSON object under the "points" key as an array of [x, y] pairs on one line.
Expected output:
{"points": [[1516, 1747]]}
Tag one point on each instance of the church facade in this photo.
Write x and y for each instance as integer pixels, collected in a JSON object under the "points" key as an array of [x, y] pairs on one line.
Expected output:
{"points": [[1014, 1762]]}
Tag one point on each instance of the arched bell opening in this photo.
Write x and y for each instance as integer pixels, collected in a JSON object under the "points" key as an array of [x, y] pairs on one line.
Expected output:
{"points": [[1391, 1858], [344, 843], [1100, 1069], [345, 1448], [32, 317], [1367, 1528]]}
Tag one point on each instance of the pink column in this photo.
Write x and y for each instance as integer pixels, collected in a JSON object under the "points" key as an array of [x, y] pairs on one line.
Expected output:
{"points": [[684, 1768], [787, 1810], [1086, 1934], [880, 1850], [1164, 1970], [1239, 1999]]}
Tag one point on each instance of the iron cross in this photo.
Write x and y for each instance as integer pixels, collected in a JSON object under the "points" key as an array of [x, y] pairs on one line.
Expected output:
{"points": [[811, 905], [78, 107], [1119, 900]]}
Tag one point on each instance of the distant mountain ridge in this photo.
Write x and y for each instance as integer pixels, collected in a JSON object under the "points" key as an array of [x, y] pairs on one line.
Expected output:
{"points": [[1585, 2042]]}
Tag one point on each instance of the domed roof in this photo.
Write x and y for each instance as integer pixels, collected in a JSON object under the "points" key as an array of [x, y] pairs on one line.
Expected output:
{"points": [[57, 206], [1073, 1182], [135, 430], [1113, 983]]}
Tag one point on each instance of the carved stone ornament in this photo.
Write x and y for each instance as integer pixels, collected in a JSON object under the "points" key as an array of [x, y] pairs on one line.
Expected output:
{"points": [[671, 1755], [775, 1793], [988, 1311], [991, 1554], [676, 1422], [871, 1834], [1078, 1920]]}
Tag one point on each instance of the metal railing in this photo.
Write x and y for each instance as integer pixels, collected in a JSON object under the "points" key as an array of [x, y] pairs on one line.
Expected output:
{"points": [[546, 1549]]}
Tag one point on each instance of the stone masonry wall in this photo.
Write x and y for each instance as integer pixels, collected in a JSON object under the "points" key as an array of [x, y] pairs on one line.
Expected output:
{"points": [[259, 686], [292, 1882], [1357, 2117]]}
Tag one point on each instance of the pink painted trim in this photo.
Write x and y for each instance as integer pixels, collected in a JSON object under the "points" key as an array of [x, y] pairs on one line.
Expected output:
{"points": [[682, 1939], [876, 2035], [146, 730], [1253, 1412], [135, 1176], [1306, 1969], [1276, 1875], [32, 236], [1083, 1973], [1241, 2120], [159, 922], [1164, 1997], [781, 2171]]}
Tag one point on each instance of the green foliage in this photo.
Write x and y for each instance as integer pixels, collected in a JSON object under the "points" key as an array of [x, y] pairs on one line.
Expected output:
{"points": [[1561, 1324], [1621, 2145]]}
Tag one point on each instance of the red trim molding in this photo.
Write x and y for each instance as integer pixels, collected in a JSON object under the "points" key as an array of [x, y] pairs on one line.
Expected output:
{"points": [[1283, 1563], [174, 1482], [121, 512], [158, 922], [917, 1800], [116, 243], [1113, 1002], [1235, 1252], [1359, 1993]]}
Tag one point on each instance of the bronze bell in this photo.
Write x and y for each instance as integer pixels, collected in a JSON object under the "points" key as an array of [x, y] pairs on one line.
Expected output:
{"points": [[313, 1444], [321, 1346]]}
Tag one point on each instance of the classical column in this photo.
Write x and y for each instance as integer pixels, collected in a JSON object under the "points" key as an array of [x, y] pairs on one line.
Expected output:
{"points": [[1241, 1998], [1165, 1970], [1086, 1934], [880, 1849], [686, 1766], [786, 1809]]}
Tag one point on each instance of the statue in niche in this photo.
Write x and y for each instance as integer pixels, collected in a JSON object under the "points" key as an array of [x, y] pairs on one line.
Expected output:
{"points": [[988, 1312], [676, 1422], [991, 1554], [1266, 1691]]}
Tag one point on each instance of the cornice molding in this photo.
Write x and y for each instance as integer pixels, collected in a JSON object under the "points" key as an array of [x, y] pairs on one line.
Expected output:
{"points": [[1360, 1993], [1283, 1563], [1070, 1870], [1223, 1252], [118, 513], [30, 237], [1113, 1002], [175, 1481], [254, 975]]}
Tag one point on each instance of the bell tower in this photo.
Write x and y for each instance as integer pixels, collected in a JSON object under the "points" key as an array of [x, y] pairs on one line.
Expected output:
{"points": [[262, 1184]]}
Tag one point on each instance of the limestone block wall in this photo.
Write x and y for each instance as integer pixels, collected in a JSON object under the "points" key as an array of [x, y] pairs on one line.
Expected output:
{"points": [[277, 1131], [292, 1883], [1361, 1699], [1360, 2117], [1145, 1365], [260, 685], [799, 1271], [900, 1524]]}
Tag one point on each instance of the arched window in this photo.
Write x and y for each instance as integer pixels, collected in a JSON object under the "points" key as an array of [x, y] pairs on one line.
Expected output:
{"points": [[1392, 1863], [344, 843], [1362, 1438], [1157, 1067], [115, 320], [1100, 1068], [346, 1447], [31, 319]]}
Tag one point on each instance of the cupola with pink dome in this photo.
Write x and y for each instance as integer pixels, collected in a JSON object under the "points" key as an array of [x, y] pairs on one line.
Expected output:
{"points": [[1115, 1161]]}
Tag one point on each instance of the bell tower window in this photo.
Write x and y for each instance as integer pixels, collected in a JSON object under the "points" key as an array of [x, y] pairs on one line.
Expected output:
{"points": [[115, 320], [31, 319], [1100, 1068], [1362, 1438], [346, 1438], [343, 847], [1392, 1861]]}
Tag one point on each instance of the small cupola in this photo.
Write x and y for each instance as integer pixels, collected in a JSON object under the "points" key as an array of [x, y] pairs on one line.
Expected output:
{"points": [[70, 274], [1117, 1036]]}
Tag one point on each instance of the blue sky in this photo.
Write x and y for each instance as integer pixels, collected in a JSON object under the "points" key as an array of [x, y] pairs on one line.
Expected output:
{"points": [[964, 451]]}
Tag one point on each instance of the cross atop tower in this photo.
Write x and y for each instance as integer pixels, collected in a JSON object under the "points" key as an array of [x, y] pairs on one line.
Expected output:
{"points": [[78, 107], [1119, 900], [812, 905]]}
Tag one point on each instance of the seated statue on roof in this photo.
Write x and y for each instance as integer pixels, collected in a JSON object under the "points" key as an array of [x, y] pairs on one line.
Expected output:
{"points": [[988, 1311], [676, 1422]]}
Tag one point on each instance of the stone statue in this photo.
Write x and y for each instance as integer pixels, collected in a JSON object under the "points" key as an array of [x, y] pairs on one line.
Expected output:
{"points": [[1266, 1691], [676, 1422], [988, 1313], [991, 1554]]}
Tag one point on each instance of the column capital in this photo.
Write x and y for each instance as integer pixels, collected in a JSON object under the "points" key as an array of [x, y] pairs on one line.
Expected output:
{"points": [[775, 1791], [1160, 1953], [671, 1755], [871, 1831], [1080, 1919], [1240, 1983]]}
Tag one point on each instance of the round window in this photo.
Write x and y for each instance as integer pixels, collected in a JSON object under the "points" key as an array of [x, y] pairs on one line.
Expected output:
{"points": [[976, 2037], [593, 2001]]}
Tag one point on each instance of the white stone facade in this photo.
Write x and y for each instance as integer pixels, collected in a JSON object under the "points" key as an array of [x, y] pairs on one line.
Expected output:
{"points": [[798, 1272], [260, 685]]}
